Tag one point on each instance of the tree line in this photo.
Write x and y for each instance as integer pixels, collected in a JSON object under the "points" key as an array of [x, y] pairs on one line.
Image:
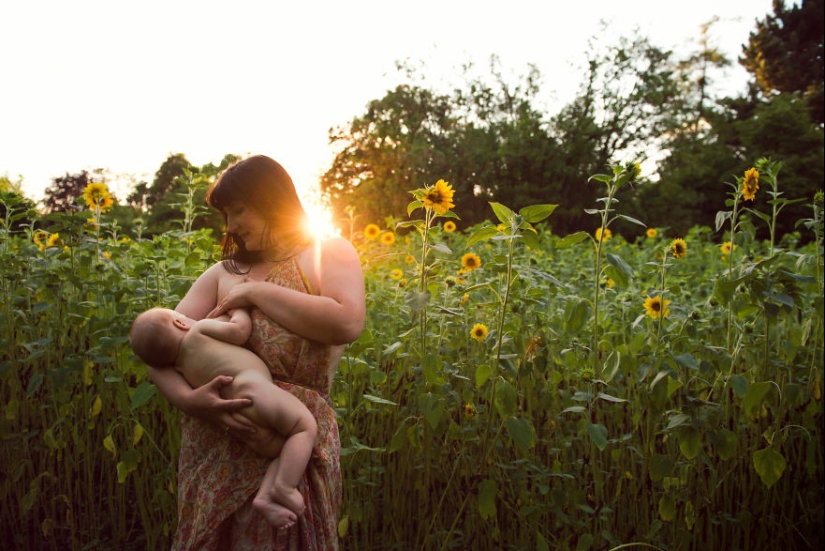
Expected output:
{"points": [[492, 141]]}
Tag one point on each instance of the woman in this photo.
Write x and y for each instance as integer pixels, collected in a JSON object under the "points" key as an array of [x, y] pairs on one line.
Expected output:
{"points": [[307, 302]]}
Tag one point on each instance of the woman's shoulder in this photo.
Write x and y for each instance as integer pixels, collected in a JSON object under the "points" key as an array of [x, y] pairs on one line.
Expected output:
{"points": [[336, 247]]}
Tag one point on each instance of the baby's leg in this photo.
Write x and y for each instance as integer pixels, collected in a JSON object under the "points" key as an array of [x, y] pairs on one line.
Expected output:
{"points": [[294, 421], [277, 515], [289, 417]]}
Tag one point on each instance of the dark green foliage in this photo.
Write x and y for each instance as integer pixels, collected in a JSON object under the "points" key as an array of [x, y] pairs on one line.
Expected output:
{"points": [[785, 53]]}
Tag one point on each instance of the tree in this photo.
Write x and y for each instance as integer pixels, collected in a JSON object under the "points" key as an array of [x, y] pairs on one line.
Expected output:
{"points": [[785, 53], [61, 196], [164, 198], [396, 146]]}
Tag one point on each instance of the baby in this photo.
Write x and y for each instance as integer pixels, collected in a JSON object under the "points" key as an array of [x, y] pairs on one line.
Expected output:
{"points": [[202, 350]]}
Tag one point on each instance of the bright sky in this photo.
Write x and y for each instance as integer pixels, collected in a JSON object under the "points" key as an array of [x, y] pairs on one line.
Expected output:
{"points": [[105, 84]]}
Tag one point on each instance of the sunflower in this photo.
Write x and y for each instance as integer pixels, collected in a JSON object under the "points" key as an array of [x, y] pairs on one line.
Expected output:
{"points": [[409, 259], [464, 299], [372, 231], [587, 374], [387, 238], [439, 197], [652, 233], [750, 183], [470, 262], [606, 235], [97, 196], [449, 226], [656, 308], [396, 273], [469, 409], [40, 236], [53, 239], [479, 332], [678, 248], [727, 247]]}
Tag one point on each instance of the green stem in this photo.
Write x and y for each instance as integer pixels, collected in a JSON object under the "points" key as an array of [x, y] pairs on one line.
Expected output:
{"points": [[611, 190]]}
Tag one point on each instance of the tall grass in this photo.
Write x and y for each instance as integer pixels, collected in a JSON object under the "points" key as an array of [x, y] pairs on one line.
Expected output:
{"points": [[576, 422]]}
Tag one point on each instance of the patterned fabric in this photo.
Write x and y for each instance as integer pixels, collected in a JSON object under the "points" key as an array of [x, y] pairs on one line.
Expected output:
{"points": [[218, 476]]}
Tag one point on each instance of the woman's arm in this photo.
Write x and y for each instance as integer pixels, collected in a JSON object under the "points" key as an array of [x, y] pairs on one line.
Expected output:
{"points": [[335, 317]]}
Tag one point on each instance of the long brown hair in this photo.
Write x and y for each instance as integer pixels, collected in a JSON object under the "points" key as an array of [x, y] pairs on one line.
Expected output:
{"points": [[262, 184]]}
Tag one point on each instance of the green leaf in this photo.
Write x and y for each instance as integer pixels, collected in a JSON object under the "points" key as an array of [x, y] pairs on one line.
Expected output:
{"points": [[417, 301], [487, 492], [604, 178], [541, 543], [506, 398], [399, 440], [611, 366], [484, 234], [504, 214], [617, 261], [721, 217], [690, 441], [724, 442], [754, 397], [531, 239], [34, 384], [769, 465], [440, 247], [577, 316], [431, 366], [378, 400], [609, 398], [432, 407], [572, 239], [660, 466], [739, 384], [521, 431], [598, 435], [483, 373], [585, 542], [537, 213], [415, 205], [667, 507], [619, 277], [632, 220], [143, 393]]}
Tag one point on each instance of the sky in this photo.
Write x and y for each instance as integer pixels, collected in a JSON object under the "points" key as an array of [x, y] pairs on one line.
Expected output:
{"points": [[92, 84]]}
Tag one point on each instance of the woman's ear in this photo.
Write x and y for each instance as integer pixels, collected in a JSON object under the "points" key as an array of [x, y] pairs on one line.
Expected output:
{"points": [[181, 324]]}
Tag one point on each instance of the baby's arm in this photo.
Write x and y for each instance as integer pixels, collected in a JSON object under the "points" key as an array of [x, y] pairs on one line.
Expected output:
{"points": [[234, 330]]}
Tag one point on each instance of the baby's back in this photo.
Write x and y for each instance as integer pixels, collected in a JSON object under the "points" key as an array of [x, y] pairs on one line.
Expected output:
{"points": [[202, 358]]}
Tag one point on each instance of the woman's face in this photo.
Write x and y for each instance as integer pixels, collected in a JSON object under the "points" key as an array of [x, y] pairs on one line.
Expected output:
{"points": [[247, 223]]}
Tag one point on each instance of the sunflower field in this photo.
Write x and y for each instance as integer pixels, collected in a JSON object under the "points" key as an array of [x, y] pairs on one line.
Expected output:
{"points": [[513, 388]]}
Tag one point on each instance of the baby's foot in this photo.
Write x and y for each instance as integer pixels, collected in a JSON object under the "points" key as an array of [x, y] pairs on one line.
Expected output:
{"points": [[276, 514], [288, 497]]}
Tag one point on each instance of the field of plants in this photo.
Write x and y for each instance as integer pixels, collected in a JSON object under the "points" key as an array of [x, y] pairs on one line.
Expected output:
{"points": [[513, 388]]}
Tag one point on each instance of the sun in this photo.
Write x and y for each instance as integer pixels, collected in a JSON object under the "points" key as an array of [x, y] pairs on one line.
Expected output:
{"points": [[319, 219]]}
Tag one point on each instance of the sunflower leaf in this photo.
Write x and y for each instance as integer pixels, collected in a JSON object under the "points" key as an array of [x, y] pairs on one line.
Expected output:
{"points": [[572, 239], [537, 213], [483, 234], [504, 214], [632, 220]]}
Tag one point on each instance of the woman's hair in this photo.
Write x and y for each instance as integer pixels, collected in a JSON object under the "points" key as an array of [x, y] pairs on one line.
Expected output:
{"points": [[262, 184], [152, 339]]}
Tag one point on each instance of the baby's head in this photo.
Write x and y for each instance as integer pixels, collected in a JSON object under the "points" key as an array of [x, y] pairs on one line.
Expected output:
{"points": [[155, 337]]}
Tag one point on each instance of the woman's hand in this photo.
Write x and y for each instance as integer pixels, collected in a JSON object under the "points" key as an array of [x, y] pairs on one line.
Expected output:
{"points": [[239, 296], [206, 403]]}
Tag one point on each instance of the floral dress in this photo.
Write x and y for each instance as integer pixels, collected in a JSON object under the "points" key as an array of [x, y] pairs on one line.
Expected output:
{"points": [[219, 476]]}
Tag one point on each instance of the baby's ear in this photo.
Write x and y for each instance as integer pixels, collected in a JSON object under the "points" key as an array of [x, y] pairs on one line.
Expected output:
{"points": [[181, 324]]}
